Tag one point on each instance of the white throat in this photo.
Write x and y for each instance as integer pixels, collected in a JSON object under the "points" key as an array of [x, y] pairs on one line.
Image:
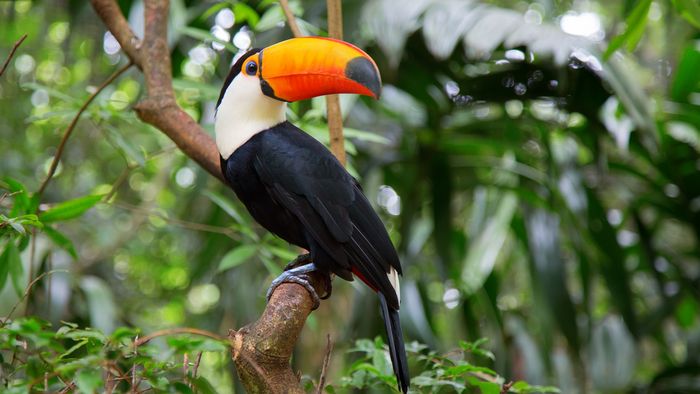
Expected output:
{"points": [[245, 111]]}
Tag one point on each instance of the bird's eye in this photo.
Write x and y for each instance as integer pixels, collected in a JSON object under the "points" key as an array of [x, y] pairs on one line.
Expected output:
{"points": [[251, 68]]}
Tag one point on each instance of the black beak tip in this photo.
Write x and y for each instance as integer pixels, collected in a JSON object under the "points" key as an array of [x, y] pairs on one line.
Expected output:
{"points": [[364, 72]]}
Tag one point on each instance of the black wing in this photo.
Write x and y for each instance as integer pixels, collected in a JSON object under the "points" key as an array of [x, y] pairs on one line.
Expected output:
{"points": [[305, 178]]}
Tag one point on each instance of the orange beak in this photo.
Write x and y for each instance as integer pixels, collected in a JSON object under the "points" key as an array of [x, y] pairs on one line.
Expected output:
{"points": [[306, 67]]}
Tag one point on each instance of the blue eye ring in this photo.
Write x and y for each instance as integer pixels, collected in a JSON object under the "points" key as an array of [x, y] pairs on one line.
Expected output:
{"points": [[251, 68]]}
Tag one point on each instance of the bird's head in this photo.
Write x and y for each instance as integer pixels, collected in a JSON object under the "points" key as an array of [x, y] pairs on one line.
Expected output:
{"points": [[262, 81]]}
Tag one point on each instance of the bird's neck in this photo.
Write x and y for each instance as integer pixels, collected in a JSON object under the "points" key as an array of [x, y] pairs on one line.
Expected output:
{"points": [[244, 111]]}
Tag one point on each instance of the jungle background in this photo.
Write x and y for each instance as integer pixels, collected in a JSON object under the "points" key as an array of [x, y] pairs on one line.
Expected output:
{"points": [[536, 163]]}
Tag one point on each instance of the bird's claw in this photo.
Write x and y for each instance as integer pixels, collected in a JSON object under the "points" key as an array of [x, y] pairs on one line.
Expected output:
{"points": [[300, 276], [328, 287]]}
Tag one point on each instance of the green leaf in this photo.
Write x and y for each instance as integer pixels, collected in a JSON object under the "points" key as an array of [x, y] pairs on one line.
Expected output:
{"points": [[475, 348], [202, 385], [636, 23], [51, 92], [209, 92], [687, 312], [124, 333], [690, 10], [4, 266], [61, 241], [21, 199], [244, 13], [225, 204], [189, 344], [524, 387], [282, 253], [204, 35], [270, 18], [549, 272], [366, 136], [101, 304], [89, 380], [127, 149], [14, 264], [686, 77], [237, 256], [488, 243], [488, 387], [70, 209]]}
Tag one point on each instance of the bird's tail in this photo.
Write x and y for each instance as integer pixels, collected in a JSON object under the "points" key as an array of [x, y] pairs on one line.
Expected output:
{"points": [[397, 349]]}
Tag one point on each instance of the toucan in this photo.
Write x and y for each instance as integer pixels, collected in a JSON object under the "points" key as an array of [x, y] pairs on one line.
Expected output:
{"points": [[293, 185]]}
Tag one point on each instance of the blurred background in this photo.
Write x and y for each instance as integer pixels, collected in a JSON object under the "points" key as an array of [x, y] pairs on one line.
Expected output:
{"points": [[537, 164]]}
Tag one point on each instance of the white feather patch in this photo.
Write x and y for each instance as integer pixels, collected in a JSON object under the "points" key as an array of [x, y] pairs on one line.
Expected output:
{"points": [[394, 280], [245, 111]]}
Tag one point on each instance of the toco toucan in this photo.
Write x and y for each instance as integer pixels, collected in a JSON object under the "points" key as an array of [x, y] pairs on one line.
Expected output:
{"points": [[291, 184]]}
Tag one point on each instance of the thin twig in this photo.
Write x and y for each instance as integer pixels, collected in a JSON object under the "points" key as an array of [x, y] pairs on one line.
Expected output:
{"points": [[196, 364], [30, 275], [26, 293], [506, 387], [12, 53], [71, 126], [185, 367], [178, 330], [326, 361], [291, 19], [180, 223]]}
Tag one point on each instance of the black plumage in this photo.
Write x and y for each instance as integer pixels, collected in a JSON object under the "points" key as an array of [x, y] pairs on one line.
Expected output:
{"points": [[294, 187]]}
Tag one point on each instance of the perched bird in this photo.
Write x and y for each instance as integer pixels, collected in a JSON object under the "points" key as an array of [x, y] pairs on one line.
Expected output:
{"points": [[292, 185]]}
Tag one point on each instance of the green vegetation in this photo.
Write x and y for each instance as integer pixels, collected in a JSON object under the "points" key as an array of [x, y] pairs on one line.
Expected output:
{"points": [[543, 190]]}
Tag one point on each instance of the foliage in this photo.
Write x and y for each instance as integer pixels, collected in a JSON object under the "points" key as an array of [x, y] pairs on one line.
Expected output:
{"points": [[36, 356], [540, 194], [451, 371]]}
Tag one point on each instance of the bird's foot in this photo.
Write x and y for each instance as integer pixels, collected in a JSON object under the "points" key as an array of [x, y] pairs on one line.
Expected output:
{"points": [[304, 259], [300, 275]]}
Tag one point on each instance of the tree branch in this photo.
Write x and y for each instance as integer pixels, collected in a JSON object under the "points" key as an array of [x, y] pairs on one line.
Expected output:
{"points": [[74, 122], [261, 350], [111, 15], [12, 53], [291, 19], [334, 114], [153, 57], [324, 368]]}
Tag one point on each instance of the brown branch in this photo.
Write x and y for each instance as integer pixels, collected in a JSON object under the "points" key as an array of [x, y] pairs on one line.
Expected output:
{"points": [[506, 387], [324, 368], [111, 15], [74, 122], [153, 57], [262, 350], [26, 293], [334, 114], [12, 53], [291, 19]]}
